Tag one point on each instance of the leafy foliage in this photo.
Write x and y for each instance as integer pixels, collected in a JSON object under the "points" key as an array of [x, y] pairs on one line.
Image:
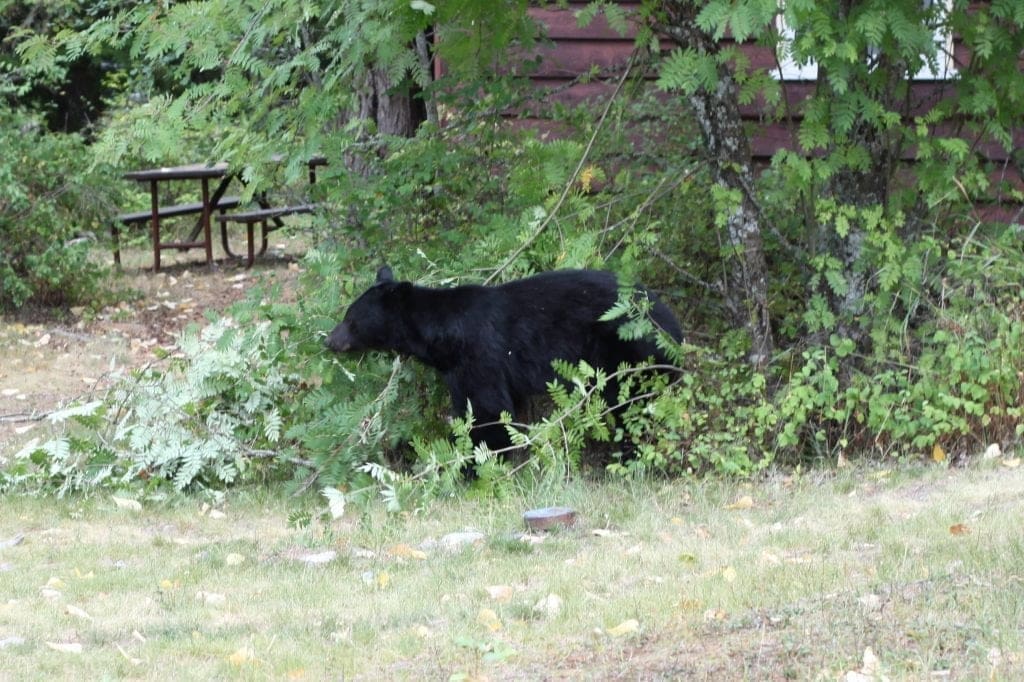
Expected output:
{"points": [[199, 423], [897, 308], [51, 210]]}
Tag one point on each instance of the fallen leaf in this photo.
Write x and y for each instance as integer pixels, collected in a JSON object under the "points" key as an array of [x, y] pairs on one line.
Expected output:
{"points": [[383, 580], [677, 521], [499, 593], [626, 627], [403, 551], [125, 503], [77, 612], [959, 529], [240, 657], [66, 647], [423, 632], [938, 454], [691, 604], [745, 502], [133, 661], [870, 670], [1011, 463], [55, 582], [729, 574], [489, 619]]}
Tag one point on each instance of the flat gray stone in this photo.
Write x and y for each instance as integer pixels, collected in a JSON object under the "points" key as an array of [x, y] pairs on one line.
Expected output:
{"points": [[453, 542]]}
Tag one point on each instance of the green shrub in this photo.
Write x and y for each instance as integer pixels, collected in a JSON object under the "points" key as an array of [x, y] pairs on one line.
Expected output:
{"points": [[53, 209]]}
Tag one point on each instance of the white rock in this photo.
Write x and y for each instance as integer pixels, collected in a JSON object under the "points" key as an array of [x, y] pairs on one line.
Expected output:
{"points": [[452, 542], [319, 558], [550, 606], [11, 641]]}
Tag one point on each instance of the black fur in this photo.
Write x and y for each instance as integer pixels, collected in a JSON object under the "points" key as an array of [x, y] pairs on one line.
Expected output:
{"points": [[494, 345]]}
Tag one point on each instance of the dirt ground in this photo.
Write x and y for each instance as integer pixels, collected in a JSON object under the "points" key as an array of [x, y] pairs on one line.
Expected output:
{"points": [[50, 359]]}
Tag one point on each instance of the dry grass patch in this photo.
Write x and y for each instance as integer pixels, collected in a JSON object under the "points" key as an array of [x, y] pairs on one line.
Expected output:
{"points": [[793, 577]]}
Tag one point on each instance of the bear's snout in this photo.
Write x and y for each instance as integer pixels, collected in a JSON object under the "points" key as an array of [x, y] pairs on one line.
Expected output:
{"points": [[340, 339]]}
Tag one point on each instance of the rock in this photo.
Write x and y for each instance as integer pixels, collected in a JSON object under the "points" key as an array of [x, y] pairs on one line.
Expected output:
{"points": [[16, 539], [549, 607], [318, 558], [453, 542]]}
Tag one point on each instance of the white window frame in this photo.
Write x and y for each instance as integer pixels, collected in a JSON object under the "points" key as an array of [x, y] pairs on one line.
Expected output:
{"points": [[790, 70]]}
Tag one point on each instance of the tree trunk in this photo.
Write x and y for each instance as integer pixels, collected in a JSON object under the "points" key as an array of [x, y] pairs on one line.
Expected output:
{"points": [[382, 111], [718, 115], [863, 188], [390, 110]]}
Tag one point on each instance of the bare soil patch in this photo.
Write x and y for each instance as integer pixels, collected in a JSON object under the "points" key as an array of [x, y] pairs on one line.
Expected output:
{"points": [[52, 358]]}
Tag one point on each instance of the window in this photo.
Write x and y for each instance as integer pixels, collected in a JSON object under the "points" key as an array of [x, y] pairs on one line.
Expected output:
{"points": [[944, 68]]}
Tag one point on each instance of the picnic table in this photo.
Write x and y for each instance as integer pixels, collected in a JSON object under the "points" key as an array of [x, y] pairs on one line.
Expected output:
{"points": [[210, 202]]}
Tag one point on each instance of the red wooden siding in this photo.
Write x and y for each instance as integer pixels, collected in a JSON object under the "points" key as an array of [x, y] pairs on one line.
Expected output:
{"points": [[574, 50]]}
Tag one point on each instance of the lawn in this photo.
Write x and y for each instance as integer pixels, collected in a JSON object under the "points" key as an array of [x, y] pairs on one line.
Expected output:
{"points": [[859, 573]]}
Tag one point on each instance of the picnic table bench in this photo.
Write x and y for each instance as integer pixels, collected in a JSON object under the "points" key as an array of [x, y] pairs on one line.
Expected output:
{"points": [[263, 216], [204, 209]]}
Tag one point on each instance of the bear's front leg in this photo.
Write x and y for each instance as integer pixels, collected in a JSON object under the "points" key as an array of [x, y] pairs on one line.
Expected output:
{"points": [[488, 399]]}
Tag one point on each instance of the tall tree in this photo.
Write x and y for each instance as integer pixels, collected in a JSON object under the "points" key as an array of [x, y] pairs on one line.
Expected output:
{"points": [[716, 108]]}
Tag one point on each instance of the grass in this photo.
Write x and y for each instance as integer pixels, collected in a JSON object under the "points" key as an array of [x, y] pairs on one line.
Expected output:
{"points": [[791, 577]]}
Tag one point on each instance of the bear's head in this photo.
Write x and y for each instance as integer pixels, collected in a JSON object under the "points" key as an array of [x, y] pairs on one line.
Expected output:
{"points": [[375, 320]]}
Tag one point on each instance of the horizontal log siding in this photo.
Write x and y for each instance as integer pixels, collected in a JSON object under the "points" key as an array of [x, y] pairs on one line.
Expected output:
{"points": [[572, 51]]}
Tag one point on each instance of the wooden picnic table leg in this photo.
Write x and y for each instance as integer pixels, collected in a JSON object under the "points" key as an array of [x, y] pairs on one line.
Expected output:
{"points": [[264, 202], [155, 225], [224, 237], [115, 232], [264, 229], [218, 194], [205, 217], [249, 233]]}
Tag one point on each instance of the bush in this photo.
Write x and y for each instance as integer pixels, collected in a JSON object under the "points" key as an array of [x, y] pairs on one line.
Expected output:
{"points": [[52, 210]]}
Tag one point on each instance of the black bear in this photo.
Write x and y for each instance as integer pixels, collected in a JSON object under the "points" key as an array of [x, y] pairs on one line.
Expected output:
{"points": [[494, 345]]}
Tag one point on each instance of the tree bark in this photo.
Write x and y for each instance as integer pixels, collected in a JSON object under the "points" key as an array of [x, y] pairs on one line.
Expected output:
{"points": [[717, 113], [382, 111], [863, 188], [390, 110]]}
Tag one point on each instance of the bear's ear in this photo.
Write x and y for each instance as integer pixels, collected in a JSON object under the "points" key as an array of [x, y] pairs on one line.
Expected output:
{"points": [[385, 275]]}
